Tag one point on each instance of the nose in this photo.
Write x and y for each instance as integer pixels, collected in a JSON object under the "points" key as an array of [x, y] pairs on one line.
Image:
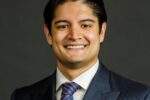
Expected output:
{"points": [[75, 33]]}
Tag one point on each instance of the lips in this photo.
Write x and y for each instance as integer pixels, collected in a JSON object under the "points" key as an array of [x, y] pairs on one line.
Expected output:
{"points": [[81, 46]]}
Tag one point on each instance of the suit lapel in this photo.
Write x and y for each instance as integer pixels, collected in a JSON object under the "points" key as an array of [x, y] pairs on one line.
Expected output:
{"points": [[99, 88]]}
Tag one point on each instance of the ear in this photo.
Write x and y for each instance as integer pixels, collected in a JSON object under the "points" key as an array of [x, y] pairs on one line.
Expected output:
{"points": [[102, 31], [47, 34]]}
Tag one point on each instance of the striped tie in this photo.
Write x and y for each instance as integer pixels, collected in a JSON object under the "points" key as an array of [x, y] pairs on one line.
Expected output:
{"points": [[68, 90]]}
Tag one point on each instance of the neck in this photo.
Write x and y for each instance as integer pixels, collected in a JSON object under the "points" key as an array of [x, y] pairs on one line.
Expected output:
{"points": [[71, 72]]}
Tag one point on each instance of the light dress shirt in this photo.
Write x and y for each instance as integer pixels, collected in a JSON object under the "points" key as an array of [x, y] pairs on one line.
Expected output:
{"points": [[83, 80]]}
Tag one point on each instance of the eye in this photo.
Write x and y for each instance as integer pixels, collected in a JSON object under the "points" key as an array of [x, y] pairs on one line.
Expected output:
{"points": [[85, 26], [62, 27]]}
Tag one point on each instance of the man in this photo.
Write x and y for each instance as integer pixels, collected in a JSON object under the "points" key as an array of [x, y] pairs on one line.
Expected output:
{"points": [[75, 29]]}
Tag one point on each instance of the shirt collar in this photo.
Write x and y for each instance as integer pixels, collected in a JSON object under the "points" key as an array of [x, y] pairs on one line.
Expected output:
{"points": [[83, 80]]}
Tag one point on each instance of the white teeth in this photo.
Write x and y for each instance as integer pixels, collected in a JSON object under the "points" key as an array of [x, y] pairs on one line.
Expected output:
{"points": [[76, 47]]}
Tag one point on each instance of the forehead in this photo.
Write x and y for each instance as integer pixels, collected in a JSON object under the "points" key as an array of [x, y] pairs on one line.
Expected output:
{"points": [[73, 9]]}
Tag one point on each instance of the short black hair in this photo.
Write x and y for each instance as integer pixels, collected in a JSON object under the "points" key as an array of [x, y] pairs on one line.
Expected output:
{"points": [[96, 5]]}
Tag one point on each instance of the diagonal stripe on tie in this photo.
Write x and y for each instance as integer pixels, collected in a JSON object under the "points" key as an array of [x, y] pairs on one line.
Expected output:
{"points": [[68, 90]]}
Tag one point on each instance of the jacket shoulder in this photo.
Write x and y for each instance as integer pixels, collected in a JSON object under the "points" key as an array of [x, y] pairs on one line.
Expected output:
{"points": [[129, 88], [37, 88]]}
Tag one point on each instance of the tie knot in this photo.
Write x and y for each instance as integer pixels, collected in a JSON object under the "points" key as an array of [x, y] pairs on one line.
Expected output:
{"points": [[69, 88]]}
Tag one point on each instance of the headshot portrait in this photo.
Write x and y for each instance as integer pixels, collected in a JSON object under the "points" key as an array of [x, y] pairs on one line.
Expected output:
{"points": [[85, 50]]}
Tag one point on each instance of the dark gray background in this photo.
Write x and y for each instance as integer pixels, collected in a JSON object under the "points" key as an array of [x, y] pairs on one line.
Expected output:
{"points": [[25, 57]]}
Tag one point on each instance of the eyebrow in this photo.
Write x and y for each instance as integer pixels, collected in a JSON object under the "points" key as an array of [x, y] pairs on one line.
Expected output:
{"points": [[65, 21], [90, 20], [61, 21]]}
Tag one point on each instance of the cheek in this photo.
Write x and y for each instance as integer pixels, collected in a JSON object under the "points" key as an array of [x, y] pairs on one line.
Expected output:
{"points": [[93, 36], [58, 38]]}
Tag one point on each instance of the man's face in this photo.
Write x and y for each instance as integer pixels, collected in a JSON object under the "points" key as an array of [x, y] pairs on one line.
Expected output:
{"points": [[75, 35]]}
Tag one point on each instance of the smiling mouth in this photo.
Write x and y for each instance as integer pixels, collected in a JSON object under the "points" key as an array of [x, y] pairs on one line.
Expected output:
{"points": [[75, 46]]}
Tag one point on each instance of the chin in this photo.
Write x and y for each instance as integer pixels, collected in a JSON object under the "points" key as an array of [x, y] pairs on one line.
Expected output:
{"points": [[75, 60], [75, 63]]}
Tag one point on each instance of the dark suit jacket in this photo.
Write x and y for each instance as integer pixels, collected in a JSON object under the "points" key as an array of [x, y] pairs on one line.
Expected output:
{"points": [[106, 85]]}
